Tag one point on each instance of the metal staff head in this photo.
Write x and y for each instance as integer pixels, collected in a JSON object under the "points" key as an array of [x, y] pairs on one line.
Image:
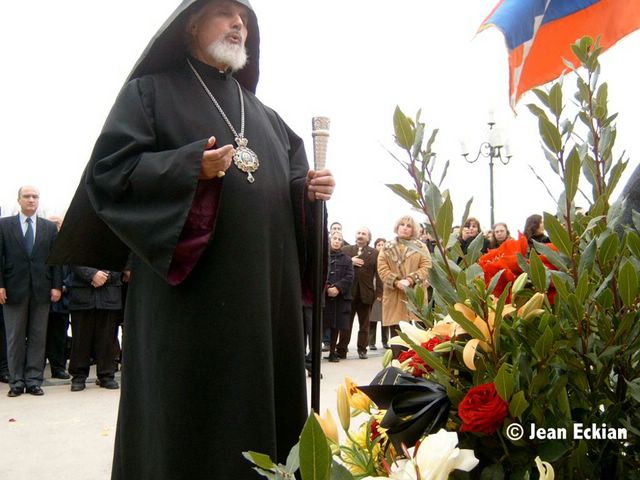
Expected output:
{"points": [[320, 134]]}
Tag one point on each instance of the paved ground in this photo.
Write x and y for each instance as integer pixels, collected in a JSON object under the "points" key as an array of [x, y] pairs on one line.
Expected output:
{"points": [[68, 435]]}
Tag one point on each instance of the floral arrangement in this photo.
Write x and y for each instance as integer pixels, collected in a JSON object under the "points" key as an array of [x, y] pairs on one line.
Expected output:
{"points": [[526, 361]]}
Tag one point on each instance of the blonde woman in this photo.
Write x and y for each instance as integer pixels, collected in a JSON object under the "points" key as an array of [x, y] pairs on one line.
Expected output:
{"points": [[403, 263]]}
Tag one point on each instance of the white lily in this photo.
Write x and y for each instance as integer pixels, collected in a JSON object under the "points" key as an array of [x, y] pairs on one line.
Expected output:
{"points": [[417, 335], [438, 455], [400, 470]]}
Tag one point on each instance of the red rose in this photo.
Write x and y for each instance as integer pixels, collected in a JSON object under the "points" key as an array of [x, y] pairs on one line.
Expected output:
{"points": [[482, 410], [417, 364]]}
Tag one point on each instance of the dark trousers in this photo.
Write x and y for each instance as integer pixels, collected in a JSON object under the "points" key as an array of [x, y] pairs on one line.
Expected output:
{"points": [[57, 341], [93, 336], [362, 310], [26, 328], [4, 366], [384, 333]]}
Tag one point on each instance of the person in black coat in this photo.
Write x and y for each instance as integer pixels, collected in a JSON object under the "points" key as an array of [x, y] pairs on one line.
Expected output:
{"points": [[214, 251], [58, 342], [95, 302], [534, 230], [337, 308], [468, 233]]}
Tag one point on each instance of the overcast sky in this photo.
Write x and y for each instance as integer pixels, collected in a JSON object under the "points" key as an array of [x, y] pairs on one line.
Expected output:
{"points": [[353, 61]]}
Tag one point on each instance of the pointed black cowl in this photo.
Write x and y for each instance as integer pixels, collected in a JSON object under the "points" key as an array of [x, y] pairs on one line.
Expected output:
{"points": [[167, 48]]}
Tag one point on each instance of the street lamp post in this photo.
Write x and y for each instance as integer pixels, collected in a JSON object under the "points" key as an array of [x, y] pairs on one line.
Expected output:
{"points": [[493, 150]]}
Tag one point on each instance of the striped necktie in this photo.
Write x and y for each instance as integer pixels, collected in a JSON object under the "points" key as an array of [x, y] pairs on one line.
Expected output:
{"points": [[28, 236]]}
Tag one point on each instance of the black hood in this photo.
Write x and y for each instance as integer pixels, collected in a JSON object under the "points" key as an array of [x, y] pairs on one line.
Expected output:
{"points": [[167, 48]]}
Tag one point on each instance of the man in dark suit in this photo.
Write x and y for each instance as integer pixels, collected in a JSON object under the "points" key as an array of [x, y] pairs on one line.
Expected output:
{"points": [[365, 260], [27, 286], [4, 366]]}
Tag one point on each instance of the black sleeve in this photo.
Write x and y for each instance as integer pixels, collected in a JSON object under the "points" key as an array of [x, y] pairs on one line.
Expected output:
{"points": [[344, 284], [132, 196], [83, 275]]}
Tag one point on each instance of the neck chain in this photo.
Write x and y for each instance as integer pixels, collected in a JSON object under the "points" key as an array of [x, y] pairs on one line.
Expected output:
{"points": [[244, 158]]}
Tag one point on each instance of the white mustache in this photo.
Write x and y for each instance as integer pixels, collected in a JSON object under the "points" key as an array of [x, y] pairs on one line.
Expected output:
{"points": [[234, 33]]}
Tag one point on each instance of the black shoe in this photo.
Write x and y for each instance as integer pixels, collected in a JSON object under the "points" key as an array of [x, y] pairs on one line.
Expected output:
{"points": [[108, 383], [372, 347], [333, 358], [35, 390], [77, 386], [4, 378], [15, 391], [362, 355], [62, 374], [342, 356]]}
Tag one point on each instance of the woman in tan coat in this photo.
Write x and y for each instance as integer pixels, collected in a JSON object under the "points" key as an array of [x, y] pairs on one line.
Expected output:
{"points": [[403, 263]]}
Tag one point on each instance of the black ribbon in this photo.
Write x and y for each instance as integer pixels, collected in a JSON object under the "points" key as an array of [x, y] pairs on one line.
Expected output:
{"points": [[415, 406]]}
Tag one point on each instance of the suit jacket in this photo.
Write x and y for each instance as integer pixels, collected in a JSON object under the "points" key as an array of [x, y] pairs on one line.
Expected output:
{"points": [[363, 288], [22, 274]]}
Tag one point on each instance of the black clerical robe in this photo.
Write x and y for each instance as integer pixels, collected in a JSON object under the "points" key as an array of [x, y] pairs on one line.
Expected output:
{"points": [[212, 366]]}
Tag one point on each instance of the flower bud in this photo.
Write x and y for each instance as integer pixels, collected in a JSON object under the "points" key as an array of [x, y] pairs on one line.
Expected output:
{"points": [[344, 411], [328, 425], [534, 303], [519, 284], [545, 469], [387, 358], [443, 347]]}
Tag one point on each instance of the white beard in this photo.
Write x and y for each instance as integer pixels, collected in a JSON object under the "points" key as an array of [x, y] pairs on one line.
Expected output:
{"points": [[230, 54]]}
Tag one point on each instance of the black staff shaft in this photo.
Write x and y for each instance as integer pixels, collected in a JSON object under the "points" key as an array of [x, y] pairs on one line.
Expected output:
{"points": [[318, 294]]}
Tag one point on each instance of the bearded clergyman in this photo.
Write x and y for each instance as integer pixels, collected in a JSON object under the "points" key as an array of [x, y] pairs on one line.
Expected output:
{"points": [[209, 193]]}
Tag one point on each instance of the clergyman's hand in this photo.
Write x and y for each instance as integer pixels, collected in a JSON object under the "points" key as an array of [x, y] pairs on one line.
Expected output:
{"points": [[3, 296], [320, 185], [215, 160]]}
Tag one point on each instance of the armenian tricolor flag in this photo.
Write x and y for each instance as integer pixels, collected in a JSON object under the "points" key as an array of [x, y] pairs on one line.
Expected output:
{"points": [[539, 34]]}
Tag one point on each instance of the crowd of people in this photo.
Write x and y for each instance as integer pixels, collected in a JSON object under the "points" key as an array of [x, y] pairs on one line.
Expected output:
{"points": [[40, 302], [369, 283]]}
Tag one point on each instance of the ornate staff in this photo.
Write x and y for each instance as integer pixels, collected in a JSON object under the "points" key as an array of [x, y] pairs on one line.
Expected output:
{"points": [[320, 134]]}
